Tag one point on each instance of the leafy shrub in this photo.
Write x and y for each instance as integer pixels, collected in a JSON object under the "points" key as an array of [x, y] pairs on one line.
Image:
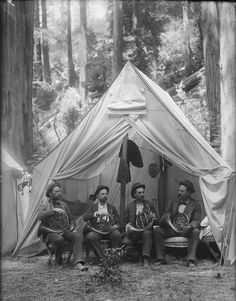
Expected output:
{"points": [[109, 268]]}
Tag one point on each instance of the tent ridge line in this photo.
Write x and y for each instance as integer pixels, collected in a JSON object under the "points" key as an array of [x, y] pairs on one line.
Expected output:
{"points": [[153, 92]]}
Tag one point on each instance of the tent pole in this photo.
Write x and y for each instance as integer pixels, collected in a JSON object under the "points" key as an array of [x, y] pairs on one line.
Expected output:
{"points": [[123, 184]]}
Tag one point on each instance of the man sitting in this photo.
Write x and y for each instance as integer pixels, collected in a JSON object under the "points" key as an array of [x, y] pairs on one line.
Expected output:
{"points": [[192, 210], [140, 214], [53, 205], [102, 222]]}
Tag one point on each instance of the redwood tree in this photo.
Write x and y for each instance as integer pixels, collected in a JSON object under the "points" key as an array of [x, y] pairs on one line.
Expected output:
{"points": [[71, 70], [83, 51], [211, 49], [117, 38], [228, 81], [188, 52], [17, 23], [45, 47], [38, 45]]}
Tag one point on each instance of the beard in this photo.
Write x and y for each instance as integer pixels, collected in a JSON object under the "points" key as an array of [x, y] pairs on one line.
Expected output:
{"points": [[103, 200], [56, 198]]}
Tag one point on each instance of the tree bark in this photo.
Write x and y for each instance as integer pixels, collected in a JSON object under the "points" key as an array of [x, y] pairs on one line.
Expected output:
{"points": [[211, 50], [117, 38], [228, 81], [38, 46], [17, 23], [188, 52], [83, 51], [46, 60], [71, 70]]}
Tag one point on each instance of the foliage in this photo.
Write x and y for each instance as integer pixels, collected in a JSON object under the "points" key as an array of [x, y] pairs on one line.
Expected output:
{"points": [[70, 118], [154, 44], [109, 268], [44, 94], [194, 106], [26, 180]]}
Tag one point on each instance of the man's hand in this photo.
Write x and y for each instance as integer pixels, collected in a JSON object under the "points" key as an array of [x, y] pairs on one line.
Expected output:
{"points": [[72, 227], [97, 214], [187, 229], [115, 227], [59, 210]]}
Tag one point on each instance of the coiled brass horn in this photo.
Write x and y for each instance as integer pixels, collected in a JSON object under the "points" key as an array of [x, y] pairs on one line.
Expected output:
{"points": [[102, 225], [144, 221], [58, 222], [181, 221]]}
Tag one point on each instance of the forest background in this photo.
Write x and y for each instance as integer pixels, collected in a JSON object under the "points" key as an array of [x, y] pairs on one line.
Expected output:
{"points": [[60, 56]]}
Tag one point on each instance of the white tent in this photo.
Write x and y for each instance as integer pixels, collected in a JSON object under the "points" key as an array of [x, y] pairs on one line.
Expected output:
{"points": [[137, 106], [13, 210]]}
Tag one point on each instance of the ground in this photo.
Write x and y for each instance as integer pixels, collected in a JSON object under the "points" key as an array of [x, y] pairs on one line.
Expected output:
{"points": [[26, 279]]}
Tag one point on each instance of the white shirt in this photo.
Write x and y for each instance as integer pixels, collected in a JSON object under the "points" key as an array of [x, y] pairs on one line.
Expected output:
{"points": [[102, 208]]}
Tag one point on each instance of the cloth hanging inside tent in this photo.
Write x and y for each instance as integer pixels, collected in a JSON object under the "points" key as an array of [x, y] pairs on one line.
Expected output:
{"points": [[133, 156]]}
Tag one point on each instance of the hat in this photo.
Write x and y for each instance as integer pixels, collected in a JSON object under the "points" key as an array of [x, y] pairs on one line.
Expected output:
{"points": [[100, 187], [188, 185], [50, 188], [134, 187]]}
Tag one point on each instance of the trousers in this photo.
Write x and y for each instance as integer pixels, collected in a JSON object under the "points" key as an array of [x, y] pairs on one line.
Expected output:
{"points": [[93, 239], [162, 233], [58, 242], [146, 236]]}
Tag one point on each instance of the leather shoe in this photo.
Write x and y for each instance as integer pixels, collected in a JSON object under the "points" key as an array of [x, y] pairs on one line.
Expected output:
{"points": [[161, 262], [81, 267], [191, 264], [146, 263]]}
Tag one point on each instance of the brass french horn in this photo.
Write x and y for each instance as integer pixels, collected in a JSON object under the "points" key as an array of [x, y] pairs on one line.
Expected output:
{"points": [[144, 221], [56, 223], [102, 225], [181, 220]]}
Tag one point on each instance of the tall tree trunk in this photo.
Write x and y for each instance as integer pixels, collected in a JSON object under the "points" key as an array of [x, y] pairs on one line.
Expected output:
{"points": [[117, 38], [17, 23], [83, 52], [188, 52], [211, 49], [46, 61], [38, 46], [71, 70], [228, 82]]}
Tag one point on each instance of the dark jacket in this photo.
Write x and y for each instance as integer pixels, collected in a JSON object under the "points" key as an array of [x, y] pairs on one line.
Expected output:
{"points": [[46, 210], [89, 214], [193, 207], [130, 212]]}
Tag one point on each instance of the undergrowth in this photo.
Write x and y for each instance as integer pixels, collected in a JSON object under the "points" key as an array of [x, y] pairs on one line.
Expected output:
{"points": [[109, 268]]}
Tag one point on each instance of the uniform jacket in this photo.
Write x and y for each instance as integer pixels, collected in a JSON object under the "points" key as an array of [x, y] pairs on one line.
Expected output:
{"points": [[89, 215], [46, 208], [192, 206], [130, 212]]}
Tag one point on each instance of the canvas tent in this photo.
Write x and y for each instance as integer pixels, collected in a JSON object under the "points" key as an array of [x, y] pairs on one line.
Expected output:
{"points": [[13, 205], [137, 106]]}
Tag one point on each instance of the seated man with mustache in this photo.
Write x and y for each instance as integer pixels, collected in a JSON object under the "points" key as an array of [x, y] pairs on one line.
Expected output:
{"points": [[168, 228], [100, 214]]}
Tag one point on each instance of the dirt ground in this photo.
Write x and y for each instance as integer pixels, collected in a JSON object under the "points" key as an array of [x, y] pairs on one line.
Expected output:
{"points": [[33, 279]]}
